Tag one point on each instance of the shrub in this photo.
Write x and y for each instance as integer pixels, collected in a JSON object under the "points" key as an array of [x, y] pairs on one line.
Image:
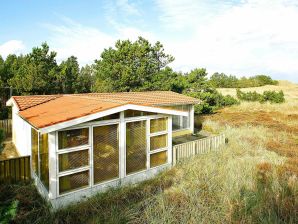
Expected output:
{"points": [[211, 100], [270, 96], [274, 97], [2, 138]]}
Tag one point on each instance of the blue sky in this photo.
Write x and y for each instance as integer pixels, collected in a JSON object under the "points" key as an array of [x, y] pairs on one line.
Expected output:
{"points": [[243, 37]]}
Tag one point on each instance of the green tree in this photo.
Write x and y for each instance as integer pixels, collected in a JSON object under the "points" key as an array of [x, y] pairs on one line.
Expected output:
{"points": [[85, 79], [68, 75], [130, 66], [36, 72]]}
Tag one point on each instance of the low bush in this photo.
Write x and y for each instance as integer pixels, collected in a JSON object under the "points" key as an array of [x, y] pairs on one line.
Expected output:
{"points": [[267, 96], [211, 101]]}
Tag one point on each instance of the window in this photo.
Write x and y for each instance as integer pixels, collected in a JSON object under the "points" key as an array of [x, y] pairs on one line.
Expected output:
{"points": [[40, 156], [105, 153], [181, 122], [73, 182], [158, 142], [158, 158], [73, 138], [74, 159], [109, 117], [137, 113], [158, 125], [44, 159], [34, 153], [136, 147]]}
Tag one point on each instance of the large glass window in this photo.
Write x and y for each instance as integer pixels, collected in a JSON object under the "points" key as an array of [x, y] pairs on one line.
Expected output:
{"points": [[73, 182], [44, 159], [105, 153], [74, 159], [158, 142], [73, 138], [136, 146], [181, 122], [40, 156], [34, 153]]}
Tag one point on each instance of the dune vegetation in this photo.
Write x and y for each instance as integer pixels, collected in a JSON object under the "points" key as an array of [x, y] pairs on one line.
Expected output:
{"points": [[252, 179]]}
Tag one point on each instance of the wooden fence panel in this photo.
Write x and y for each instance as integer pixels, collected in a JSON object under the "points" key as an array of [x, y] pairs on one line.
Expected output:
{"points": [[15, 170], [6, 125], [200, 146]]}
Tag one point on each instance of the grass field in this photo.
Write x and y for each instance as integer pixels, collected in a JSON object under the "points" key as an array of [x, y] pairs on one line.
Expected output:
{"points": [[252, 180]]}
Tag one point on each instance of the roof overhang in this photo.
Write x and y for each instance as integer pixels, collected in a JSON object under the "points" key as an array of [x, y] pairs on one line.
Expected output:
{"points": [[97, 115]]}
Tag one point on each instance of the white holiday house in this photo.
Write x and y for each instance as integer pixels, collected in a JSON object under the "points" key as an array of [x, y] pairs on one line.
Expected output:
{"points": [[84, 143]]}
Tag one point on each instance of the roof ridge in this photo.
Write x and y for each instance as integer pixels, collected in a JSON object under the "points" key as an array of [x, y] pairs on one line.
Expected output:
{"points": [[98, 99]]}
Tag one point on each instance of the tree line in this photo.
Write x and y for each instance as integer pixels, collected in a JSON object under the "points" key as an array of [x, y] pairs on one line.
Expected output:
{"points": [[128, 66]]}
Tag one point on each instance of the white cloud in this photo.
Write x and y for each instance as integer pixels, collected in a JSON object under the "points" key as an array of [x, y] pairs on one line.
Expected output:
{"points": [[245, 39], [11, 47], [87, 43]]}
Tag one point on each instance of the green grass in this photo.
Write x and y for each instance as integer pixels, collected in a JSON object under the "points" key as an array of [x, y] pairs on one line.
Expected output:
{"points": [[243, 183]]}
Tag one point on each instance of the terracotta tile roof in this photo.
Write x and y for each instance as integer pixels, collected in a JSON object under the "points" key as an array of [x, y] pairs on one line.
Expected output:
{"points": [[153, 98], [47, 110], [25, 102], [63, 109]]}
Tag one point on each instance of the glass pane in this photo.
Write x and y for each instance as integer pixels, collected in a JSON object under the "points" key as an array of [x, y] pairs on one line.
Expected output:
{"points": [[109, 117], [176, 123], [185, 122], [73, 138], [158, 142], [158, 159], [105, 153], [34, 148], [136, 113], [44, 159], [73, 182], [157, 125], [136, 156], [72, 160]]}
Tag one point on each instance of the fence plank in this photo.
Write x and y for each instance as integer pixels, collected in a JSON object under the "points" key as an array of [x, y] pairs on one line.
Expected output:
{"points": [[6, 125], [15, 170], [199, 146]]}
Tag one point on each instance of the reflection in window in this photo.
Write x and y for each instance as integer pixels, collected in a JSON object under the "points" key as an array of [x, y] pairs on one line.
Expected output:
{"points": [[73, 138], [34, 148], [44, 159], [136, 147], [158, 158], [105, 153], [157, 125], [137, 113], [158, 142], [73, 181], [73, 160]]}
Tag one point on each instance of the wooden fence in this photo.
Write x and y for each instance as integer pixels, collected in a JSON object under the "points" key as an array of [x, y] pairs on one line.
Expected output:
{"points": [[199, 146], [7, 126], [15, 170]]}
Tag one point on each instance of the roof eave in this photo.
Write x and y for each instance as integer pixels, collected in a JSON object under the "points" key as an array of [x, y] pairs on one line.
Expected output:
{"points": [[83, 119]]}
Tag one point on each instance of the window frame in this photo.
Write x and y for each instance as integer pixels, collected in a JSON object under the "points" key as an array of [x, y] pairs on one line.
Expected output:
{"points": [[112, 122], [73, 149]]}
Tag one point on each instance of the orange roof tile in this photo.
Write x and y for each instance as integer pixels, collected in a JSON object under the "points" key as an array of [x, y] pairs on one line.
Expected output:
{"points": [[47, 110], [63, 109], [25, 102]]}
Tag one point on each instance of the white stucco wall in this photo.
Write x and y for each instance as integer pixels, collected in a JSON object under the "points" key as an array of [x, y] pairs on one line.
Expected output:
{"points": [[21, 136]]}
